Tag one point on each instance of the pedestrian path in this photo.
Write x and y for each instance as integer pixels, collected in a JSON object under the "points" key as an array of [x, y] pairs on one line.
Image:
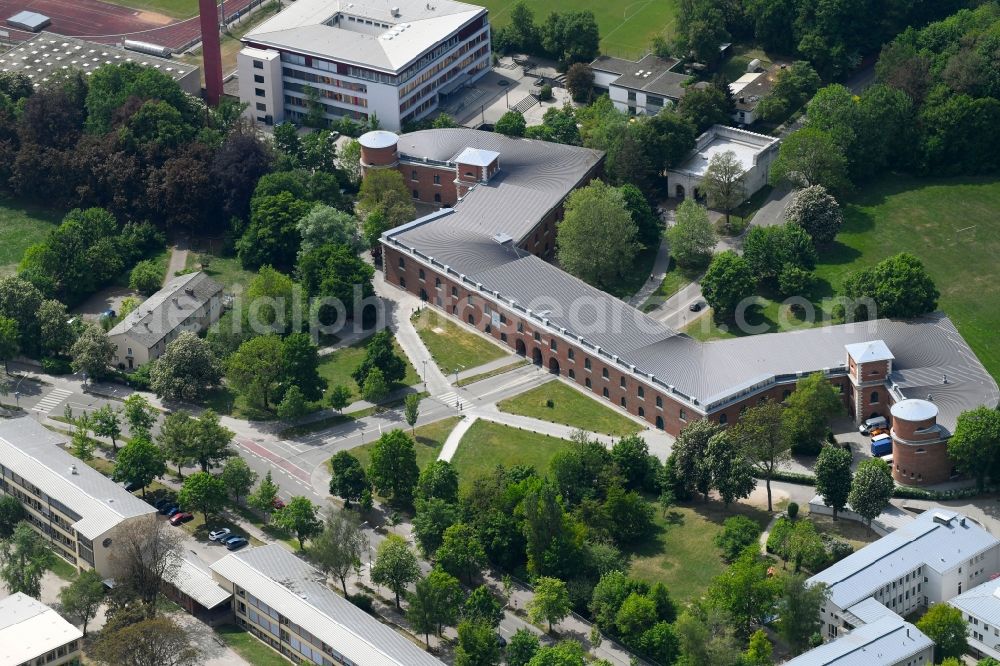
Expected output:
{"points": [[51, 401], [456, 435]]}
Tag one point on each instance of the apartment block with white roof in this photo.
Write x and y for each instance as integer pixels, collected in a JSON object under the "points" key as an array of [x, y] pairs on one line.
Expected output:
{"points": [[980, 607], [362, 59], [32, 634]]}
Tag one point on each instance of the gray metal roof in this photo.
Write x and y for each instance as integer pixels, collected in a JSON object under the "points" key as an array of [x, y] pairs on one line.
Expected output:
{"points": [[914, 409], [649, 74], [939, 539], [168, 309], [982, 601], [34, 452], [298, 591], [194, 580], [868, 611], [378, 139], [887, 641], [309, 26]]}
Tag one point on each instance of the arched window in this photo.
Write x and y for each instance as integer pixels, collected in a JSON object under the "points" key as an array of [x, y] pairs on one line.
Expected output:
{"points": [[604, 392], [604, 373], [659, 422], [642, 393], [421, 274], [723, 419], [623, 402], [642, 412], [586, 363], [588, 382], [684, 415], [402, 263], [874, 399], [621, 382], [572, 374], [659, 402], [437, 283]]}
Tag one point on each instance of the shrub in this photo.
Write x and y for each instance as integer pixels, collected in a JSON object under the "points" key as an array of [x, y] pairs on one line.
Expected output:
{"points": [[737, 533], [780, 535], [362, 601], [56, 366], [793, 510], [145, 277], [837, 549], [550, 403]]}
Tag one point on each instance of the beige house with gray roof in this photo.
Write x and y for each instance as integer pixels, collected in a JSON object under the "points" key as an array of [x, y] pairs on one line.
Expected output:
{"points": [[190, 302]]}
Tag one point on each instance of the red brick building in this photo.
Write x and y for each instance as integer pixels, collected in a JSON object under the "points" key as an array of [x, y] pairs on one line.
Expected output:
{"points": [[479, 259]]}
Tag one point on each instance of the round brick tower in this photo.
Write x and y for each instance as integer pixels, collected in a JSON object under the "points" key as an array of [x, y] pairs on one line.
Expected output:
{"points": [[378, 150], [919, 445]]}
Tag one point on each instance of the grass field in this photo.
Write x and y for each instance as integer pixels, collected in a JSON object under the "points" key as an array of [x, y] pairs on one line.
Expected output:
{"points": [[681, 553], [487, 444], [227, 271], [676, 279], [950, 224], [569, 407], [465, 381], [248, 647], [336, 368], [21, 226], [626, 26], [429, 440], [452, 347]]}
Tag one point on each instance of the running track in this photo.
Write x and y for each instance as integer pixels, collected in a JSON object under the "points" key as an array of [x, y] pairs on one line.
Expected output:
{"points": [[108, 24]]}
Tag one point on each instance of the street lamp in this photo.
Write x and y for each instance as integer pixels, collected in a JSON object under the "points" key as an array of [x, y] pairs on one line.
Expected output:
{"points": [[425, 373]]}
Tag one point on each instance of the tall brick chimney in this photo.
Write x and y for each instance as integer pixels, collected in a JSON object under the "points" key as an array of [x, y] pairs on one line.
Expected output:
{"points": [[210, 50]]}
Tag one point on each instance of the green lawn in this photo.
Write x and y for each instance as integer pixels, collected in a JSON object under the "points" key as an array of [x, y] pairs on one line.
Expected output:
{"points": [[452, 347], [248, 647], [681, 553], [569, 407], [626, 26], [676, 279], [336, 368], [64, 569], [21, 226], [767, 316], [742, 54], [227, 271], [488, 444], [465, 381], [429, 440]]}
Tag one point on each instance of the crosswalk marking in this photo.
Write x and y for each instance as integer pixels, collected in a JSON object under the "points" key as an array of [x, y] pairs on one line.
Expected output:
{"points": [[49, 402], [449, 399]]}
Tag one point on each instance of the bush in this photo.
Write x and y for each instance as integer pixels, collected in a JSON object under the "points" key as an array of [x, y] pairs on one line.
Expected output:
{"points": [[793, 510], [145, 277], [737, 533], [550, 403], [778, 538], [546, 93], [836, 548], [362, 601], [56, 366]]}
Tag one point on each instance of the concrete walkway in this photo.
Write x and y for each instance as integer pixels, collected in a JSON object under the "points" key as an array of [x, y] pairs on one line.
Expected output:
{"points": [[456, 435], [178, 260], [508, 361], [656, 276]]}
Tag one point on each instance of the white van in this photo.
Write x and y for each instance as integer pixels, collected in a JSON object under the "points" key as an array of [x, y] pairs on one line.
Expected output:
{"points": [[874, 422]]}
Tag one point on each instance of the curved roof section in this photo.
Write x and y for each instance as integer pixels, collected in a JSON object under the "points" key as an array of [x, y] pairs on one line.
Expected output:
{"points": [[914, 410], [378, 139]]}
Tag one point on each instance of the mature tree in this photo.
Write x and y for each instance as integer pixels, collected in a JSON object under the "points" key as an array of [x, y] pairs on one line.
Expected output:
{"points": [[349, 480], [636, 614], [203, 492], [153, 642], [833, 477], [690, 455], [816, 211], [871, 489], [349, 161], [434, 603], [146, 277], [460, 553], [769, 250], [395, 566], [805, 547], [340, 397], [707, 637], [808, 157], [975, 444], [648, 223], [701, 27], [335, 272], [692, 237], [799, 611], [269, 299], [955, 128], [550, 543], [705, 107], [55, 332], [9, 345], [139, 415], [732, 474], [324, 224], [12, 512], [257, 368], [629, 516], [338, 547], [411, 410], [760, 650], [393, 469], [263, 499], [898, 286], [728, 281], [808, 412], [571, 36], [238, 478], [384, 192], [92, 352], [380, 353], [175, 438], [723, 182], [298, 516], [631, 455], [24, 559], [745, 591], [143, 555], [272, 238], [140, 461], [521, 647], [737, 533], [438, 479], [106, 422], [761, 436], [477, 645], [945, 625], [81, 445], [511, 123], [375, 388], [597, 239], [580, 82], [434, 516], [83, 597], [300, 358], [209, 443], [550, 602], [186, 370], [483, 606]]}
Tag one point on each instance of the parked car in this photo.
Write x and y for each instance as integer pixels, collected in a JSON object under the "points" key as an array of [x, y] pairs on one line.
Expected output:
{"points": [[162, 502], [231, 537], [236, 544], [166, 507], [872, 423], [181, 517], [220, 534], [278, 503], [173, 511]]}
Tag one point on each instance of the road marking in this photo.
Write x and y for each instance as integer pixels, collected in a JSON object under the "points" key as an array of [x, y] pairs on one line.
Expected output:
{"points": [[292, 469], [50, 401], [450, 399]]}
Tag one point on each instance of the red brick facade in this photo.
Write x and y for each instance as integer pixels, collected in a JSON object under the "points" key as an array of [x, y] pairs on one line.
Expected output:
{"points": [[919, 458]]}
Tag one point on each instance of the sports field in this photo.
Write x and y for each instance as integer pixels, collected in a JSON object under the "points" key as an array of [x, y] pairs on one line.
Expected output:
{"points": [[626, 26]]}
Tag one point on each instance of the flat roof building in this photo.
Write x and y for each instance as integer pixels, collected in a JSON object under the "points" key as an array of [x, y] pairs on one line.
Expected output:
{"points": [[32, 633], [639, 87], [755, 153], [30, 21], [749, 90], [980, 607], [887, 641], [365, 58], [273, 588], [73, 505], [189, 302], [48, 54]]}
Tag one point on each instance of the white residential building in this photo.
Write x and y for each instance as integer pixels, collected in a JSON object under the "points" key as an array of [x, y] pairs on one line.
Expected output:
{"points": [[73, 505], [365, 58], [755, 152], [981, 608], [32, 634], [287, 604], [639, 87], [190, 302]]}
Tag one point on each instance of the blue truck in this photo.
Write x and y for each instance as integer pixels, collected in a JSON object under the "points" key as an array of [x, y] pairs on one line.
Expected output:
{"points": [[881, 445]]}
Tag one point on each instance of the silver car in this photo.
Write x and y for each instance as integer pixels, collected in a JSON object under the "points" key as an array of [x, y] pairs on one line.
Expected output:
{"points": [[220, 534]]}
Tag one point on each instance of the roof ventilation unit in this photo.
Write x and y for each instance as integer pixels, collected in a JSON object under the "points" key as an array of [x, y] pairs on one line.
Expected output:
{"points": [[395, 11]]}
